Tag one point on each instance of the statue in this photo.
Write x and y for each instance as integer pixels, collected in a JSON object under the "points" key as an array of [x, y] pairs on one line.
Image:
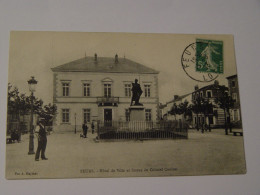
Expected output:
{"points": [[136, 93]]}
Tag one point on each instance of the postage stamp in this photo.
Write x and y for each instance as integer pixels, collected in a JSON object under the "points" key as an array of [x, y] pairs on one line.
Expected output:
{"points": [[195, 67], [209, 56]]}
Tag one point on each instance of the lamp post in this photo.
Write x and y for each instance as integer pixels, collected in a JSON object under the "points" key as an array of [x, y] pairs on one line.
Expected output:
{"points": [[32, 84], [75, 115]]}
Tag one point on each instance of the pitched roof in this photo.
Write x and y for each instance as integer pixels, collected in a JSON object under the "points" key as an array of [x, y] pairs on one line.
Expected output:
{"points": [[104, 64], [212, 86], [178, 98], [232, 76]]}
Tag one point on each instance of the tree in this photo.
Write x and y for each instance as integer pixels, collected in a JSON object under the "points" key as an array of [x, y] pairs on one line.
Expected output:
{"points": [[225, 102], [174, 110], [19, 105], [47, 113], [206, 109], [184, 108], [196, 108]]}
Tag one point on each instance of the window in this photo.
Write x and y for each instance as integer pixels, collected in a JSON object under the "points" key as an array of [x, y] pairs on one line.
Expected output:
{"points": [[65, 115], [147, 90], [233, 83], [86, 89], [127, 115], [128, 90], [86, 115], [209, 94], [234, 97], [195, 120], [148, 114], [107, 90], [65, 89], [201, 94], [235, 115]]}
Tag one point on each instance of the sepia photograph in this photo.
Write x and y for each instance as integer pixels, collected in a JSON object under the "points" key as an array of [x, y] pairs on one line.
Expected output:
{"points": [[85, 104]]}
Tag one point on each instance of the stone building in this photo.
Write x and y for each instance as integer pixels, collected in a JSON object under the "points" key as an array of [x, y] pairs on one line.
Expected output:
{"points": [[215, 116], [235, 112], [99, 89]]}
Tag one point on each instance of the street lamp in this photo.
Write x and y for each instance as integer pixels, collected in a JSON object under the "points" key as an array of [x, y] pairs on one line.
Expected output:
{"points": [[32, 85], [75, 115]]}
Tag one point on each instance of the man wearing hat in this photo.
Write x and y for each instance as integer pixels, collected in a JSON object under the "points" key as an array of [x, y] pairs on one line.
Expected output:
{"points": [[42, 141]]}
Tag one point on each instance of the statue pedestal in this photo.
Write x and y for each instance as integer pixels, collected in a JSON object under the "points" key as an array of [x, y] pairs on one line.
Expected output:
{"points": [[137, 113]]}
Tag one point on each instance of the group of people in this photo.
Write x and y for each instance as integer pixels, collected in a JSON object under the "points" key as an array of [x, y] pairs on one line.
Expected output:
{"points": [[85, 129]]}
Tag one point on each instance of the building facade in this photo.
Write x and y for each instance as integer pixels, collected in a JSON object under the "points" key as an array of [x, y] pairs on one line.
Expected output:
{"points": [[99, 89], [235, 111], [215, 116]]}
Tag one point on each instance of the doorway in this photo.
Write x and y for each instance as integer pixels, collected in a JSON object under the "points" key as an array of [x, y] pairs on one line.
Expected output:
{"points": [[107, 114], [108, 117]]}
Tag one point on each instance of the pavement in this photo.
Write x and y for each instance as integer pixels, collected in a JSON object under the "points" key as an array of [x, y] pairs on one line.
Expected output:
{"points": [[70, 156]]}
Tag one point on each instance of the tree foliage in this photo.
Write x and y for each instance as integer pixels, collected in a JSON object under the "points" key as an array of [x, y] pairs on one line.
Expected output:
{"points": [[225, 102], [182, 108], [47, 113], [20, 104]]}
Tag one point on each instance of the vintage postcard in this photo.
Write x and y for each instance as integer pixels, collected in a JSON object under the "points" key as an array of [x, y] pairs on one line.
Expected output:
{"points": [[122, 105]]}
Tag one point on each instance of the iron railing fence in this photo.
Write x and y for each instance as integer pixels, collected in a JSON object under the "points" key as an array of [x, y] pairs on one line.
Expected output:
{"points": [[142, 129]]}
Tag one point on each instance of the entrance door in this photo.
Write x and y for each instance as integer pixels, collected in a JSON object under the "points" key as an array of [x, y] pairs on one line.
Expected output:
{"points": [[108, 117], [107, 114]]}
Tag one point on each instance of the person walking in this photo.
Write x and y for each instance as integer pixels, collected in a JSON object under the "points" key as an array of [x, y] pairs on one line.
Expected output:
{"points": [[85, 129], [42, 141]]}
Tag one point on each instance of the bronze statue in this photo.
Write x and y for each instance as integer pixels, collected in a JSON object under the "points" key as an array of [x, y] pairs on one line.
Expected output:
{"points": [[136, 93]]}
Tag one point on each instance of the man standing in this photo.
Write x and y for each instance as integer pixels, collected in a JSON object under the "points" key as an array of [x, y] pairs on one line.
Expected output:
{"points": [[85, 129], [42, 141]]}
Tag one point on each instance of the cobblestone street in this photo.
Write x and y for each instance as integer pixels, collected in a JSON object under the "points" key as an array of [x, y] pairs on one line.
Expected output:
{"points": [[72, 156]]}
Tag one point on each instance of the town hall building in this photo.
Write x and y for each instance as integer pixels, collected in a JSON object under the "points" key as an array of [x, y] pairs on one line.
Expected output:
{"points": [[99, 89]]}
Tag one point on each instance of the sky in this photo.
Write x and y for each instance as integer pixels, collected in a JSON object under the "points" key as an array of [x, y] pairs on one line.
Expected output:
{"points": [[35, 53]]}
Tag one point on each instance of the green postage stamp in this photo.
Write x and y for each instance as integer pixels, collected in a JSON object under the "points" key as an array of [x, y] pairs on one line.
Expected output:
{"points": [[209, 56]]}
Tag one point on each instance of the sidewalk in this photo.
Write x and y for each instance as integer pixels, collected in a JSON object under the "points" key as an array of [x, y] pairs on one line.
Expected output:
{"points": [[72, 156]]}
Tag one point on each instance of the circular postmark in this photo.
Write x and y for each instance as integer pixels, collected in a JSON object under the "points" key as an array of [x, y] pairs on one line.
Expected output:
{"points": [[190, 65]]}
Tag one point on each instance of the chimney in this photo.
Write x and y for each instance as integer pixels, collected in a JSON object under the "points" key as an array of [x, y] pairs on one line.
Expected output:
{"points": [[216, 82], [196, 87], [95, 57], [116, 58]]}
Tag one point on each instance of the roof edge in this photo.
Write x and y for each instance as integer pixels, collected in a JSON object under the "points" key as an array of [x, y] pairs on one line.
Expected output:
{"points": [[55, 70]]}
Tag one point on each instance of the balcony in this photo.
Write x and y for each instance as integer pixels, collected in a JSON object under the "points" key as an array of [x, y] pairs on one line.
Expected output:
{"points": [[108, 101]]}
